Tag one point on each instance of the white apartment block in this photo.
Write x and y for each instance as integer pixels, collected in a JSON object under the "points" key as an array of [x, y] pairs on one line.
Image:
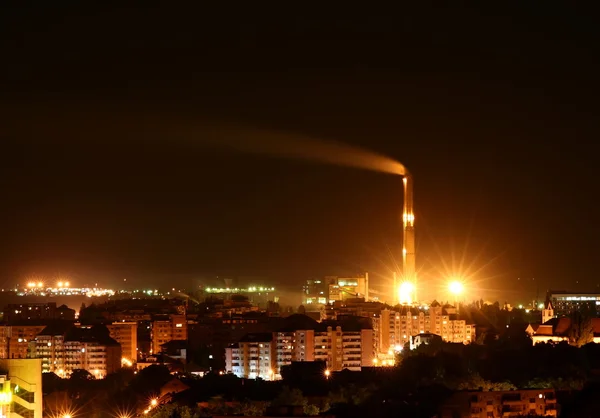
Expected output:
{"points": [[253, 357]]}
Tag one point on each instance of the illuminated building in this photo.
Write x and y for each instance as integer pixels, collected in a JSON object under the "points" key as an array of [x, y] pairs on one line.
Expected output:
{"points": [[168, 328], [63, 349], [393, 329], [315, 292], [20, 388], [125, 333], [15, 339], [256, 295], [341, 288], [252, 357], [558, 329], [566, 302]]}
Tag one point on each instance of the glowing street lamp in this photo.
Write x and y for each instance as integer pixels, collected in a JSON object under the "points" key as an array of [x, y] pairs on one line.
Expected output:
{"points": [[154, 402], [327, 374], [456, 288]]}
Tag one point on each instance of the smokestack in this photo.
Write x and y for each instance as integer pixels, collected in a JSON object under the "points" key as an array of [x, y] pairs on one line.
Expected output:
{"points": [[395, 291], [408, 240], [366, 286]]}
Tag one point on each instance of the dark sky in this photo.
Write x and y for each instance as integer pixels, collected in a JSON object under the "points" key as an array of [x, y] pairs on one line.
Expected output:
{"points": [[493, 111]]}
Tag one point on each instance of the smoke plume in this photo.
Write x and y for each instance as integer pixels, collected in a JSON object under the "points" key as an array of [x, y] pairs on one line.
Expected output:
{"points": [[104, 125]]}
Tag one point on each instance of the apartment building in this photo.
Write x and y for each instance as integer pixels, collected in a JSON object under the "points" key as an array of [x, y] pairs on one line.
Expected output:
{"points": [[125, 333], [393, 329], [339, 344], [15, 339], [167, 328], [252, 357], [65, 349]]}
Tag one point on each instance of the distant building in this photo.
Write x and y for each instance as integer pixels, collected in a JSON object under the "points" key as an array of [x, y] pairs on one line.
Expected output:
{"points": [[167, 328], [517, 403], [21, 388], [557, 330], [14, 312], [425, 338], [341, 288], [566, 302], [315, 292], [125, 333]]}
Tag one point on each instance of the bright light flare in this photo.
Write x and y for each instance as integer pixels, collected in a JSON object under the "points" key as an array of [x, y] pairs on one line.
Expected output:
{"points": [[405, 293], [456, 287], [327, 373], [154, 402]]}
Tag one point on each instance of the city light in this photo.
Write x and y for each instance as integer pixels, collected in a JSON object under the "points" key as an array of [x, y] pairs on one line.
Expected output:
{"points": [[456, 287], [405, 293], [154, 402], [125, 362], [327, 373]]}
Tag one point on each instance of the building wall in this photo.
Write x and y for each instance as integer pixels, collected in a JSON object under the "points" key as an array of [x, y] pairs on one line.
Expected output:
{"points": [[163, 331], [125, 333], [27, 374]]}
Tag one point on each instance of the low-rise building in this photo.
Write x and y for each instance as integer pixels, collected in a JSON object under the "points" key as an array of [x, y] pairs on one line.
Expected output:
{"points": [[517, 403]]}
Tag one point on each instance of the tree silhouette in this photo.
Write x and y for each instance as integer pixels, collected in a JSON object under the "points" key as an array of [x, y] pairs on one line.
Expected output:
{"points": [[581, 331]]}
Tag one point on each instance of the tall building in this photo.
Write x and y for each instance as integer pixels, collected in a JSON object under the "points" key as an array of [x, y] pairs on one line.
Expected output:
{"points": [[21, 388], [168, 328], [125, 333], [65, 349], [15, 339]]}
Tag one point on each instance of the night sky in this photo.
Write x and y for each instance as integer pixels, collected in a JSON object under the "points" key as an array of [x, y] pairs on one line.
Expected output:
{"points": [[493, 111]]}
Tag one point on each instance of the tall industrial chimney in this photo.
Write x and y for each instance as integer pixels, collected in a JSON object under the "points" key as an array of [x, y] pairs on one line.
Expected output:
{"points": [[395, 300], [409, 273]]}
